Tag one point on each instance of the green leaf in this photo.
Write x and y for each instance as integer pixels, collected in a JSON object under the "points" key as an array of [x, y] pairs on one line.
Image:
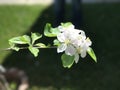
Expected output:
{"points": [[25, 39], [56, 42], [67, 60], [66, 24], [34, 50], [15, 48], [92, 54], [11, 44], [35, 36], [49, 31], [40, 45]]}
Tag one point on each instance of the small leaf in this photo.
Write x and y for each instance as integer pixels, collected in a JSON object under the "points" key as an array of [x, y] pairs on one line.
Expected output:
{"points": [[34, 50], [66, 24], [25, 39], [15, 40], [92, 54], [67, 60], [49, 31], [40, 45], [11, 44], [15, 48], [56, 42], [35, 36]]}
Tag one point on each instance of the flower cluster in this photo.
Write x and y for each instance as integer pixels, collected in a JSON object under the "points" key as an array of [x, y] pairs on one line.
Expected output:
{"points": [[73, 41]]}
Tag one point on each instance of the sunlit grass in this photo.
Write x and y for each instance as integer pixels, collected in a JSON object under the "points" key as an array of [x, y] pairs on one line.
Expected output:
{"points": [[14, 21]]}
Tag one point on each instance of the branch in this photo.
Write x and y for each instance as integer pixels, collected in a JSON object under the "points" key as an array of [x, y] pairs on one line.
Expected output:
{"points": [[7, 49]]}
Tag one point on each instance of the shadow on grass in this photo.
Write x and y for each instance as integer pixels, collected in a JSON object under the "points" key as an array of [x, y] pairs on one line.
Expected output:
{"points": [[46, 72]]}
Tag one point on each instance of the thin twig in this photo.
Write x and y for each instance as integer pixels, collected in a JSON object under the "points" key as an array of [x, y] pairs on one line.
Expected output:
{"points": [[7, 49]]}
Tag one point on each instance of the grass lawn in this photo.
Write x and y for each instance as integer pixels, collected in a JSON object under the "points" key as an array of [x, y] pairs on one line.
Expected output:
{"points": [[101, 23], [14, 21]]}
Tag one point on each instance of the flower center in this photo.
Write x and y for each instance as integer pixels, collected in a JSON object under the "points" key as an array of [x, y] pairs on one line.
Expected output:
{"points": [[67, 41], [78, 50]]}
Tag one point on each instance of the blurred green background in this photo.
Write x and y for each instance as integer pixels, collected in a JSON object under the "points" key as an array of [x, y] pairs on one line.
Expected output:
{"points": [[101, 23]]}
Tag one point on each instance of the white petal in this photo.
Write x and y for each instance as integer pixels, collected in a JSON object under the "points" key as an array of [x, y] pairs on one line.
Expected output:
{"points": [[61, 48], [61, 37], [71, 27], [77, 31], [88, 42], [60, 28], [83, 53], [80, 31], [76, 58], [70, 50]]}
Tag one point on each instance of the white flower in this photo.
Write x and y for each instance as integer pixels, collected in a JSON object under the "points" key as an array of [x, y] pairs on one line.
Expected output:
{"points": [[82, 49], [66, 44], [84, 46], [61, 48], [73, 42], [70, 50], [78, 40]]}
